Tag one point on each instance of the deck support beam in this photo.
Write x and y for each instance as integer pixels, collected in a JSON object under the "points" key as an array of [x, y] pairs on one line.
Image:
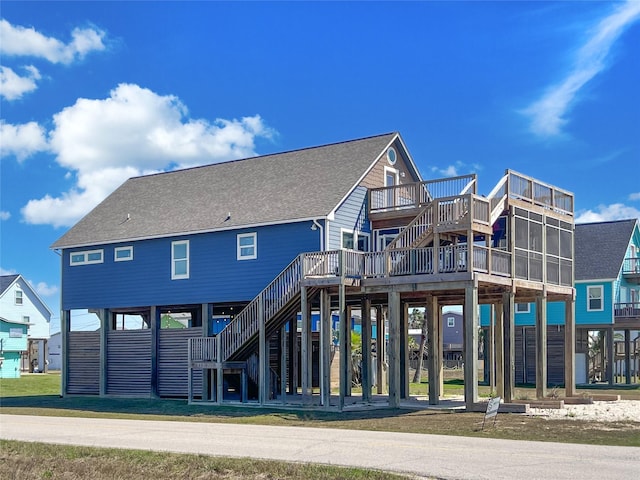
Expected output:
{"points": [[381, 351], [470, 312], [305, 346], [65, 328], [498, 310], [395, 315], [509, 377], [404, 351], [343, 339], [541, 345], [326, 339], [263, 356], [627, 356], [105, 325], [431, 313], [365, 321], [154, 320], [570, 348], [611, 355], [283, 363], [293, 355]]}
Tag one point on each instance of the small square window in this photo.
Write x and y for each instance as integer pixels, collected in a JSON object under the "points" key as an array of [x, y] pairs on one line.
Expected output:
{"points": [[18, 297], [247, 246], [522, 308], [123, 254], [451, 321]]}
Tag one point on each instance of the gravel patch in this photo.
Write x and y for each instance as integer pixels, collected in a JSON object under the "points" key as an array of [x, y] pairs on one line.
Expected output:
{"points": [[620, 411]]}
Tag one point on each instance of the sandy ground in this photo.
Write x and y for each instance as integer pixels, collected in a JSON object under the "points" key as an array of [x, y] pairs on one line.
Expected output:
{"points": [[620, 411]]}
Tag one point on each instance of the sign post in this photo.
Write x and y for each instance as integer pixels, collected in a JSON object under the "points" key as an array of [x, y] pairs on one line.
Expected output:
{"points": [[492, 410]]}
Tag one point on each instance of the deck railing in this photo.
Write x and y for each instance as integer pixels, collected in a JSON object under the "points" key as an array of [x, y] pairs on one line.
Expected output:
{"points": [[537, 193], [627, 310], [631, 266], [414, 195]]}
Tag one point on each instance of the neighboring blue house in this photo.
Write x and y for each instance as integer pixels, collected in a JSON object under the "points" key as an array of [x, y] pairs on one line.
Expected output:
{"points": [[607, 311], [13, 343], [19, 303]]}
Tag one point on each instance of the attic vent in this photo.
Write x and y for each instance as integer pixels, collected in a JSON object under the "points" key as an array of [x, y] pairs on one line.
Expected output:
{"points": [[391, 156]]}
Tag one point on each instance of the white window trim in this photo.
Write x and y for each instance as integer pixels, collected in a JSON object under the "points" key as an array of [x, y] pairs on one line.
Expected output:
{"points": [[86, 260], [451, 322], [15, 297], [523, 310], [239, 237], [181, 276], [601, 288], [122, 249], [395, 172], [356, 234]]}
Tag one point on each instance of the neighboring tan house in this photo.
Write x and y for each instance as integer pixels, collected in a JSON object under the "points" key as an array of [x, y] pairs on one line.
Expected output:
{"points": [[19, 303], [240, 248], [607, 283]]}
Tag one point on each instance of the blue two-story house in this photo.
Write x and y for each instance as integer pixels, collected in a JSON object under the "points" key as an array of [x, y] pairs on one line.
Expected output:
{"points": [[607, 284], [231, 254]]}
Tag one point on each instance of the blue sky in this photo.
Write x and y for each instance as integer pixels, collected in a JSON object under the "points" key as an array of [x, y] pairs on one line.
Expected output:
{"points": [[95, 92]]}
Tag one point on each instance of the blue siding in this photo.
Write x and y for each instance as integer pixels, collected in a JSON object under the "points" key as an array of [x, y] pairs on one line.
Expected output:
{"points": [[583, 317], [215, 273], [351, 215]]}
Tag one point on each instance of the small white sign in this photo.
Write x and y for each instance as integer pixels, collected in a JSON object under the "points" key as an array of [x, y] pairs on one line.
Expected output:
{"points": [[492, 407]]}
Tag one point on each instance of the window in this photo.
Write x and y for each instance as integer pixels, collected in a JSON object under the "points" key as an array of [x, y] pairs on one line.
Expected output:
{"points": [[522, 308], [247, 246], [354, 240], [180, 260], [25, 319], [123, 254], [18, 297], [86, 258], [451, 321], [391, 156], [594, 295]]}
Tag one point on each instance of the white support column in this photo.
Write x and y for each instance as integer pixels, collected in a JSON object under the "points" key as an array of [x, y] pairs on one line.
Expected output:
{"points": [[394, 349], [541, 345], [381, 351], [470, 311]]}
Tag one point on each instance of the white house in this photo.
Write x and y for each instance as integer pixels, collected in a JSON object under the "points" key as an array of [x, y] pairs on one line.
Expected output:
{"points": [[19, 303], [55, 351]]}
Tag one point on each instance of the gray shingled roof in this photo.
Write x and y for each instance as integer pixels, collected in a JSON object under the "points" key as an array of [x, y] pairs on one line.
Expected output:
{"points": [[283, 187], [600, 248], [6, 281]]}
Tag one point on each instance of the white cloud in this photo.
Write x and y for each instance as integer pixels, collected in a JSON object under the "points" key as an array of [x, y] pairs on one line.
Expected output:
{"points": [[132, 132], [548, 114], [27, 42], [4, 215], [603, 213], [634, 196], [7, 272], [22, 140], [13, 86], [43, 289]]}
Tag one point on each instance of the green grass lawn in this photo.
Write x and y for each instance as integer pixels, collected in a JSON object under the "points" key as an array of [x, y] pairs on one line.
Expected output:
{"points": [[39, 395]]}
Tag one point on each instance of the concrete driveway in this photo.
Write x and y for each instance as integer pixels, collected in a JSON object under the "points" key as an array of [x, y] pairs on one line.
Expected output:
{"points": [[439, 456]]}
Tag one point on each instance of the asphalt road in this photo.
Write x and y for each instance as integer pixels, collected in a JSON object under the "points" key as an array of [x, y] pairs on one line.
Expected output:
{"points": [[444, 457]]}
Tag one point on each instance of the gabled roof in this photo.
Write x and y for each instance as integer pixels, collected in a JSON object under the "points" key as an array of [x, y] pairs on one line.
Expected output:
{"points": [[600, 248], [279, 188], [6, 281]]}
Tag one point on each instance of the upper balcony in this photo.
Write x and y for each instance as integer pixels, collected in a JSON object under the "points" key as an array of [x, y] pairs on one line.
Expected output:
{"points": [[631, 270]]}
